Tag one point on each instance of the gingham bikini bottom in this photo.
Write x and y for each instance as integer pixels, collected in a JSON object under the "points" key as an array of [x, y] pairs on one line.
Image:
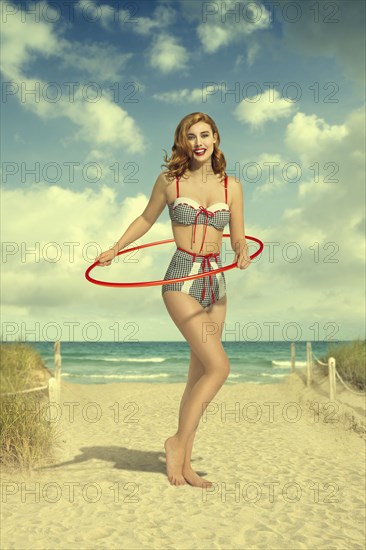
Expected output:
{"points": [[206, 290]]}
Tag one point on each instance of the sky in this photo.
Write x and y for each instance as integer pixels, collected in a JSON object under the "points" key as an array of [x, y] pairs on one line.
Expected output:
{"points": [[92, 92]]}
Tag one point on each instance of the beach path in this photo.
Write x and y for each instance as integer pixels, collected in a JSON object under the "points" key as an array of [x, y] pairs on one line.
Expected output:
{"points": [[284, 478]]}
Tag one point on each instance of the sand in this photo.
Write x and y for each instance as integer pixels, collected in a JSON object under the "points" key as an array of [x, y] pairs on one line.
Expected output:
{"points": [[284, 476]]}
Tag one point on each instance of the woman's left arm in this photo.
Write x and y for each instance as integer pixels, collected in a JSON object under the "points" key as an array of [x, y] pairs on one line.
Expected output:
{"points": [[237, 231]]}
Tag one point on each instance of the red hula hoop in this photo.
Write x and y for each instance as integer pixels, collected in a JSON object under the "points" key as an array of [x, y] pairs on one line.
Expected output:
{"points": [[165, 282]]}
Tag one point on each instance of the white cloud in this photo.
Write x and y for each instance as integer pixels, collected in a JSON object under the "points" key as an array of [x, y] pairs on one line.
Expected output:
{"points": [[314, 254], [100, 122], [101, 61], [108, 124], [270, 167], [267, 106], [213, 37], [238, 61], [320, 146], [46, 218], [91, 11], [23, 42], [180, 96], [166, 55], [336, 189], [163, 17], [128, 19], [252, 53], [311, 133], [230, 22], [104, 14]]}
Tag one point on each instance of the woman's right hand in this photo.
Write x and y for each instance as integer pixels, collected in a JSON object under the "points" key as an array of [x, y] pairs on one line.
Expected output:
{"points": [[105, 258]]}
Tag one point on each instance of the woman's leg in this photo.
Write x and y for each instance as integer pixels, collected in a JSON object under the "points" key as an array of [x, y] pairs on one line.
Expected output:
{"points": [[216, 313], [195, 372], [194, 323]]}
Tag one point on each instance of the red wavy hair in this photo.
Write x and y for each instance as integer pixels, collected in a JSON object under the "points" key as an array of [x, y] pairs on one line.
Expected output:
{"points": [[178, 163]]}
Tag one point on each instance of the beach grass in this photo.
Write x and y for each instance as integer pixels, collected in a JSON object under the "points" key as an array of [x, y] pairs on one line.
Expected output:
{"points": [[27, 438], [350, 361]]}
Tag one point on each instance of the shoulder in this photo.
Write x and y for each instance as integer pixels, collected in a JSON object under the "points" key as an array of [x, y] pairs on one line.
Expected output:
{"points": [[161, 185], [164, 179], [235, 191], [234, 184]]}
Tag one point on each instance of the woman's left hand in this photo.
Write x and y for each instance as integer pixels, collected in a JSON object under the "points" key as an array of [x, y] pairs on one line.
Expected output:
{"points": [[243, 257]]}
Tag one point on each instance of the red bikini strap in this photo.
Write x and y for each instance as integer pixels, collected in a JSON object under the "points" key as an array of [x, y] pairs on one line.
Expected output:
{"points": [[226, 189], [177, 179]]}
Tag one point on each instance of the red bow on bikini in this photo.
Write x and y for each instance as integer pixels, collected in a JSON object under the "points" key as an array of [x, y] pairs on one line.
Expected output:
{"points": [[207, 214]]}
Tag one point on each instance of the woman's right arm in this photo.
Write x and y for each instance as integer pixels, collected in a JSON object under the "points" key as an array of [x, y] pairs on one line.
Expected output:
{"points": [[141, 224]]}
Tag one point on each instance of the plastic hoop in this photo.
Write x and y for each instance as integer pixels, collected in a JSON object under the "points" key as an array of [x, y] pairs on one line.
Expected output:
{"points": [[167, 281]]}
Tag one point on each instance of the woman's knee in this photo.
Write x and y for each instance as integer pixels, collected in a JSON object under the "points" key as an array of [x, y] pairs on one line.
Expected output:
{"points": [[225, 371], [218, 366]]}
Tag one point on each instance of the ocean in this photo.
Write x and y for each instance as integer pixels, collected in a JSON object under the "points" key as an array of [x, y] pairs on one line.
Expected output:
{"points": [[156, 362]]}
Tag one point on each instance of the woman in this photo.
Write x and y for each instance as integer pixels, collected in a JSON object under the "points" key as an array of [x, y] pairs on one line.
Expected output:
{"points": [[198, 168]]}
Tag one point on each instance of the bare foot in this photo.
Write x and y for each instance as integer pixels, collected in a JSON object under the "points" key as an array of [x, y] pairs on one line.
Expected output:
{"points": [[174, 461], [194, 479]]}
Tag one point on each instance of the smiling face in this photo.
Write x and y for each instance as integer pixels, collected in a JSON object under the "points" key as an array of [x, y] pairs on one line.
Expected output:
{"points": [[201, 140]]}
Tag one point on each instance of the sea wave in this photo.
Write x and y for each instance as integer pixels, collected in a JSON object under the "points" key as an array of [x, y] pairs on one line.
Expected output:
{"points": [[287, 364], [274, 375], [145, 360], [120, 376], [122, 359]]}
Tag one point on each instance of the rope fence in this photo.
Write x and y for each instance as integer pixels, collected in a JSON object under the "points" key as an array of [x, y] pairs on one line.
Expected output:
{"points": [[25, 391], [54, 382], [332, 371]]}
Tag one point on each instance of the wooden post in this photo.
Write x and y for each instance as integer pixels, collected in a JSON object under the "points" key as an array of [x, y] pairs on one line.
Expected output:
{"points": [[293, 356], [309, 365], [57, 359], [332, 378]]}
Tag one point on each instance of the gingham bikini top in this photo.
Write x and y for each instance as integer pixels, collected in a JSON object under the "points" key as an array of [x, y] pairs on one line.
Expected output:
{"points": [[186, 211]]}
